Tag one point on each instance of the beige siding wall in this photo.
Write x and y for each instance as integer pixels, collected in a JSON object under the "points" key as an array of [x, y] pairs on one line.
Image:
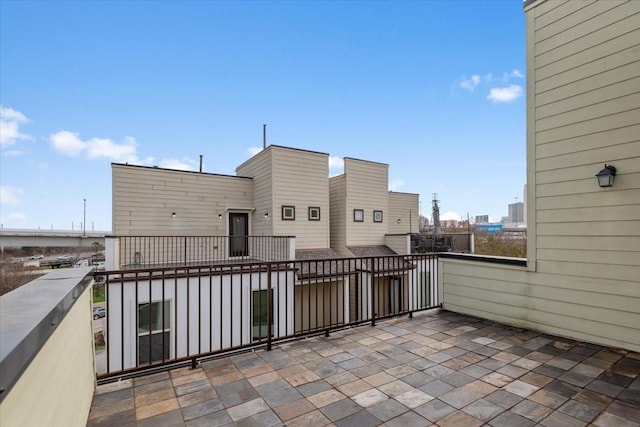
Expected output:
{"points": [[260, 168], [319, 305], [367, 189], [338, 218], [399, 243], [583, 109], [145, 198], [301, 179], [403, 213], [290, 177], [584, 308]]}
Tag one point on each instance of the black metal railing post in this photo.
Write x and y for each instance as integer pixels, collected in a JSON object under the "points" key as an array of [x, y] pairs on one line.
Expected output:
{"points": [[269, 307]]}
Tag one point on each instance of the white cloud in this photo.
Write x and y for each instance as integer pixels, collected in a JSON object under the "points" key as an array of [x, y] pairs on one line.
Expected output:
{"points": [[336, 165], [505, 94], [449, 216], [101, 147], [185, 164], [10, 122], [10, 195], [515, 74], [68, 143], [395, 184], [71, 144], [470, 83], [254, 150]]}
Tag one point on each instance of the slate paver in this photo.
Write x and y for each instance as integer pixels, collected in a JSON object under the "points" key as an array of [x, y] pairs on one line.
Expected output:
{"points": [[438, 367]]}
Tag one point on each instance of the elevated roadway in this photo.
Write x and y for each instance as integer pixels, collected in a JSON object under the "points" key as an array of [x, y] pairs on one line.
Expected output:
{"points": [[18, 238]]}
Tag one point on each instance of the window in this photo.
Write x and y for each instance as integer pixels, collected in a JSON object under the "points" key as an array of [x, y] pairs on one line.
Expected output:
{"points": [[314, 213], [288, 213], [260, 306], [358, 215], [377, 216], [154, 332]]}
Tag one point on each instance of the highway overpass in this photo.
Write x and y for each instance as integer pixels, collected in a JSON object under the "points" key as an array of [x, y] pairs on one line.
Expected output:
{"points": [[19, 238]]}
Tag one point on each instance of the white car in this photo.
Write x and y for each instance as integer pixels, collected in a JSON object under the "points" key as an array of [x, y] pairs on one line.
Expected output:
{"points": [[36, 257]]}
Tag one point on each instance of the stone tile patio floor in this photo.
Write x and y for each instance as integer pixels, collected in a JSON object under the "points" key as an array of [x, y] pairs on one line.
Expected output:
{"points": [[439, 368]]}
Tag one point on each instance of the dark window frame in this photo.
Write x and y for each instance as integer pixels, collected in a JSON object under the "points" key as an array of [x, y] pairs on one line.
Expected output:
{"points": [[287, 217]]}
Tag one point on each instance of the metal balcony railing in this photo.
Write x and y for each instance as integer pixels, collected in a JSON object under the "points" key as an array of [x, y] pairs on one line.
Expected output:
{"points": [[158, 318], [172, 251]]}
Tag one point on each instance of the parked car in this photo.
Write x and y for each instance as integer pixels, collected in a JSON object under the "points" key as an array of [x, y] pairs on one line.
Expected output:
{"points": [[99, 312], [65, 256], [37, 256]]}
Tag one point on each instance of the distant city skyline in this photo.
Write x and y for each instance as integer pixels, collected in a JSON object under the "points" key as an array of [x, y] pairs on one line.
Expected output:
{"points": [[434, 89]]}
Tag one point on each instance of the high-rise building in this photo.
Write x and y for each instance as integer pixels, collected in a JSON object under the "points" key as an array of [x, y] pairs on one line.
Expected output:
{"points": [[482, 219], [516, 214], [524, 209]]}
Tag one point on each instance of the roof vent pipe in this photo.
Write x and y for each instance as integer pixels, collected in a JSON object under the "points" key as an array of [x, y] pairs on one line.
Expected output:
{"points": [[200, 163], [264, 136]]}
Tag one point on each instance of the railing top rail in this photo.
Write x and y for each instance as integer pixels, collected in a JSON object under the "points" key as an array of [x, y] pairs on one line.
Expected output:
{"points": [[226, 265], [197, 236]]}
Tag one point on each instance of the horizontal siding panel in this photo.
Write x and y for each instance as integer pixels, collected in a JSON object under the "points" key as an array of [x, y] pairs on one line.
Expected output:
{"points": [[574, 117], [601, 124], [593, 214], [580, 104], [588, 85], [597, 256], [627, 151], [578, 269], [626, 198], [594, 229], [575, 173], [588, 186], [570, 303], [590, 58], [553, 14], [592, 141], [506, 274], [596, 296], [611, 243], [579, 34], [577, 73]]}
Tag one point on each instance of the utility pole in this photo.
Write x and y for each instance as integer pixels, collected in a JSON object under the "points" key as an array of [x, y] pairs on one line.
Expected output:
{"points": [[84, 222]]}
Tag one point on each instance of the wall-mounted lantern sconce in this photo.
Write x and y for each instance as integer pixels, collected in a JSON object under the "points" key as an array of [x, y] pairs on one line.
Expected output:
{"points": [[266, 215], [173, 214], [606, 176], [219, 217], [399, 220]]}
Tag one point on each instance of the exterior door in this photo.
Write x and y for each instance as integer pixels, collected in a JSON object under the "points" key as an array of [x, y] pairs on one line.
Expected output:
{"points": [[238, 234]]}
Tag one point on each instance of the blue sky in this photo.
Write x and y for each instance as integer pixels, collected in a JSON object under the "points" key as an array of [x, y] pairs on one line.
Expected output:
{"points": [[436, 89]]}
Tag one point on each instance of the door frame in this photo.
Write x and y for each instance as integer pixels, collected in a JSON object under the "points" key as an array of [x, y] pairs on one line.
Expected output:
{"points": [[243, 241]]}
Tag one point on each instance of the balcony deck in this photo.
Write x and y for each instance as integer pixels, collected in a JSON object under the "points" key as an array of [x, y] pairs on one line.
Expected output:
{"points": [[438, 368]]}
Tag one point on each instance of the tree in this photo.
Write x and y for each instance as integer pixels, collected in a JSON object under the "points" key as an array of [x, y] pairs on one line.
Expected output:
{"points": [[97, 247], [500, 244]]}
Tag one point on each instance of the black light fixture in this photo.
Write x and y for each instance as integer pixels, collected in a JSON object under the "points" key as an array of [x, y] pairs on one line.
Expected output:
{"points": [[219, 217], [173, 214], [606, 176], [266, 215]]}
